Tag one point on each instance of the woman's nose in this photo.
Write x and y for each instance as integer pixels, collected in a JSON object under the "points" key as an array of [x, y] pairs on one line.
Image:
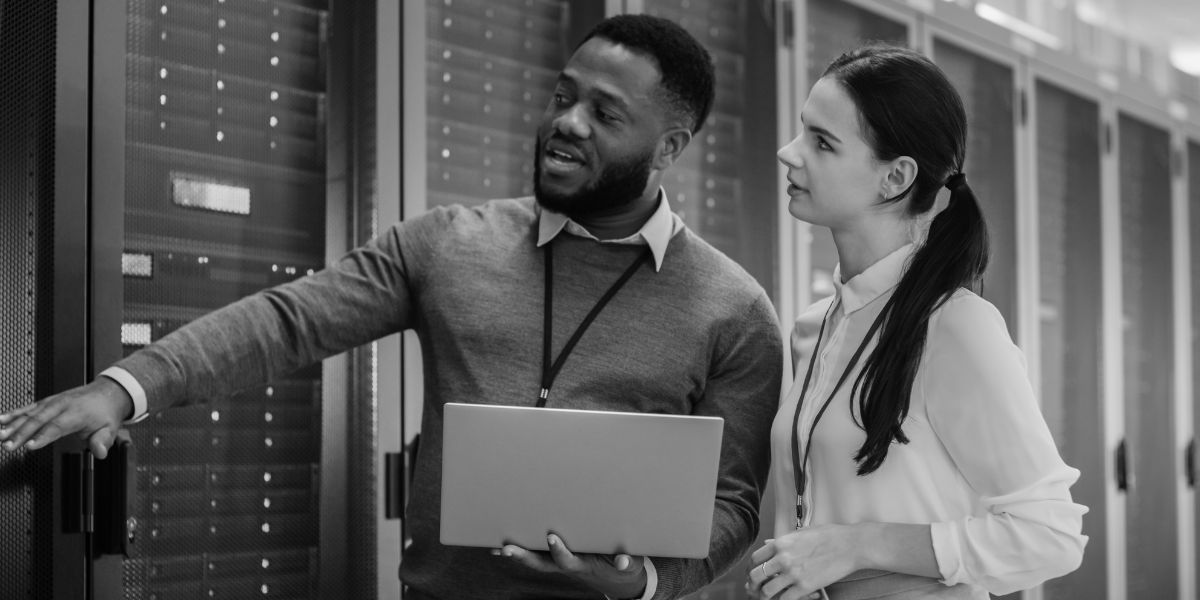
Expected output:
{"points": [[789, 155]]}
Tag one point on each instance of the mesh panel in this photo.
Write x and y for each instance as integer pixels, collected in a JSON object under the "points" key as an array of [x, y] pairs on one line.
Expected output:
{"points": [[27, 51], [225, 195]]}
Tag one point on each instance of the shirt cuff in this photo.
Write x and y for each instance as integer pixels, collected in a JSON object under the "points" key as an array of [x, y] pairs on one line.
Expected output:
{"points": [[133, 388], [947, 552], [651, 580]]}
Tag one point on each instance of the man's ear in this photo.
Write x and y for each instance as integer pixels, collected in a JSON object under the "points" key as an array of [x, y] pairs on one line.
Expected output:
{"points": [[670, 146], [899, 175]]}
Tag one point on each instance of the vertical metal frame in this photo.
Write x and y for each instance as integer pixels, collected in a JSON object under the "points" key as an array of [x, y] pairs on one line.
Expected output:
{"points": [[790, 72], [1189, 133], [1181, 265], [106, 214], [72, 134], [1114, 374], [400, 65]]}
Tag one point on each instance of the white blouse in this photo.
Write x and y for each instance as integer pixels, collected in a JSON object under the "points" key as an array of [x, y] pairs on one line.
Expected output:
{"points": [[980, 465]]}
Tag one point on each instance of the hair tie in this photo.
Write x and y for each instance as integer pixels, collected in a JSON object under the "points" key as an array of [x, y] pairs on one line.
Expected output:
{"points": [[955, 181]]}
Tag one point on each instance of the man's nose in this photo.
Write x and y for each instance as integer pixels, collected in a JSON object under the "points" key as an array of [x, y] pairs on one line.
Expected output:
{"points": [[573, 122]]}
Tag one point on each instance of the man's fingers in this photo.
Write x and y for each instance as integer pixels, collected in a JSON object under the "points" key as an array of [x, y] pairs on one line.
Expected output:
{"points": [[101, 441], [8, 417], [36, 429], [625, 562], [534, 560], [562, 556]]}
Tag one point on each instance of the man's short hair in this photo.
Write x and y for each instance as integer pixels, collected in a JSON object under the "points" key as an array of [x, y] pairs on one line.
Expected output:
{"points": [[686, 67]]}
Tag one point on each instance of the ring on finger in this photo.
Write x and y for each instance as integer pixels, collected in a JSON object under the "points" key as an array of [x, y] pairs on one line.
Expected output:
{"points": [[763, 568]]}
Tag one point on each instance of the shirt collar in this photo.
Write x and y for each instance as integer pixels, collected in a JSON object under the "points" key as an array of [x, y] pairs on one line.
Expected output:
{"points": [[874, 281], [656, 232]]}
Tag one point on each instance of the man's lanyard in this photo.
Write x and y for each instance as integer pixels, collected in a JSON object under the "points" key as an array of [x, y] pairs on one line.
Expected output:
{"points": [[549, 372], [799, 466]]}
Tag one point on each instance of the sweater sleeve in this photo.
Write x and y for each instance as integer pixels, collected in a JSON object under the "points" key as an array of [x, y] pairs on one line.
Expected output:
{"points": [[365, 295], [743, 388], [981, 405]]}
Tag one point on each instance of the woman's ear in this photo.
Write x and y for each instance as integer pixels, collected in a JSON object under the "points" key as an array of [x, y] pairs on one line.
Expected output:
{"points": [[670, 146], [899, 175]]}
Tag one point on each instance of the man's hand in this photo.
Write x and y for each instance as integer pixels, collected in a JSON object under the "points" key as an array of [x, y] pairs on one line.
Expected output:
{"points": [[620, 576], [94, 411]]}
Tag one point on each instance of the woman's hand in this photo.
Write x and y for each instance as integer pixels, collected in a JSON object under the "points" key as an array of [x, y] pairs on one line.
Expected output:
{"points": [[799, 564]]}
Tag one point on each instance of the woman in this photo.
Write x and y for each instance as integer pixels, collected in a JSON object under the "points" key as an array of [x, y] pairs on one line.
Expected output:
{"points": [[910, 456]]}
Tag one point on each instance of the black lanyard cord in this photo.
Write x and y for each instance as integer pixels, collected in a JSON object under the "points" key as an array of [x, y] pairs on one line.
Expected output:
{"points": [[799, 465], [550, 372]]}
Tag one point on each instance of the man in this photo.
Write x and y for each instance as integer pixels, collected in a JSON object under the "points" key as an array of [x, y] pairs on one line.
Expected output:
{"points": [[687, 331]]}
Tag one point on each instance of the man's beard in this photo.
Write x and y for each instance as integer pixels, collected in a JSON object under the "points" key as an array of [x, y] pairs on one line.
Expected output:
{"points": [[619, 185]]}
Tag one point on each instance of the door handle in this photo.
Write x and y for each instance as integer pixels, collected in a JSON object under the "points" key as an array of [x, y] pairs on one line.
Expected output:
{"points": [[115, 499], [1122, 467]]}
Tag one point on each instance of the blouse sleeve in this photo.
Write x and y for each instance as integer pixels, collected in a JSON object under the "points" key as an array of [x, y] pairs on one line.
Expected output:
{"points": [[980, 404]]}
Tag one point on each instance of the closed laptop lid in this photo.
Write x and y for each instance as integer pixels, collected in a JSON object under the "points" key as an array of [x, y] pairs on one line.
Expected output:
{"points": [[605, 482]]}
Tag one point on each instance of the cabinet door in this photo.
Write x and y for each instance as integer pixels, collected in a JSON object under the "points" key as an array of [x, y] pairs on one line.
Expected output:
{"points": [[225, 178], [1070, 311], [986, 87], [835, 27], [1148, 345]]}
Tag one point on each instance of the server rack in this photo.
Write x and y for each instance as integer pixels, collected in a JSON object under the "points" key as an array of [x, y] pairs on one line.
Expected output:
{"points": [[43, 286]]}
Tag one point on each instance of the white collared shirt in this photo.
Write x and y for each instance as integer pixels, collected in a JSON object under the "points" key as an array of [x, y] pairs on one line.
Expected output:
{"points": [[980, 466], [656, 232]]}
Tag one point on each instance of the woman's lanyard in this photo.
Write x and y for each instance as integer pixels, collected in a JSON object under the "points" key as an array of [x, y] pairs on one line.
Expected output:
{"points": [[549, 372], [799, 466]]}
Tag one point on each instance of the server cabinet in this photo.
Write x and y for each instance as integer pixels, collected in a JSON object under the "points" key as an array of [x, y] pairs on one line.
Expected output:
{"points": [[987, 90], [1070, 317], [226, 187], [1145, 461], [43, 287]]}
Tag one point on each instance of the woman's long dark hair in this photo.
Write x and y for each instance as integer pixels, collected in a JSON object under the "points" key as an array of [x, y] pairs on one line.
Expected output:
{"points": [[907, 107]]}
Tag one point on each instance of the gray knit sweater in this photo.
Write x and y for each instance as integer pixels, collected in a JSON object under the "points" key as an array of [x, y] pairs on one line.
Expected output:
{"points": [[698, 337]]}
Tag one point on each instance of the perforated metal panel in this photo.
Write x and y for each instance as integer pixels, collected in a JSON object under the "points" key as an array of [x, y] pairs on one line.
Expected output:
{"points": [[27, 92]]}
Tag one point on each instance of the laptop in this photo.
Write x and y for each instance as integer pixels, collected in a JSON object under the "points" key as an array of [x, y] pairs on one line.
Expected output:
{"points": [[605, 482]]}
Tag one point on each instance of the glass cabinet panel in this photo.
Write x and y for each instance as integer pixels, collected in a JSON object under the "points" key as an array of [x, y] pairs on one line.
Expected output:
{"points": [[835, 27], [225, 176], [1148, 343], [986, 87], [723, 186], [490, 70], [1069, 315]]}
